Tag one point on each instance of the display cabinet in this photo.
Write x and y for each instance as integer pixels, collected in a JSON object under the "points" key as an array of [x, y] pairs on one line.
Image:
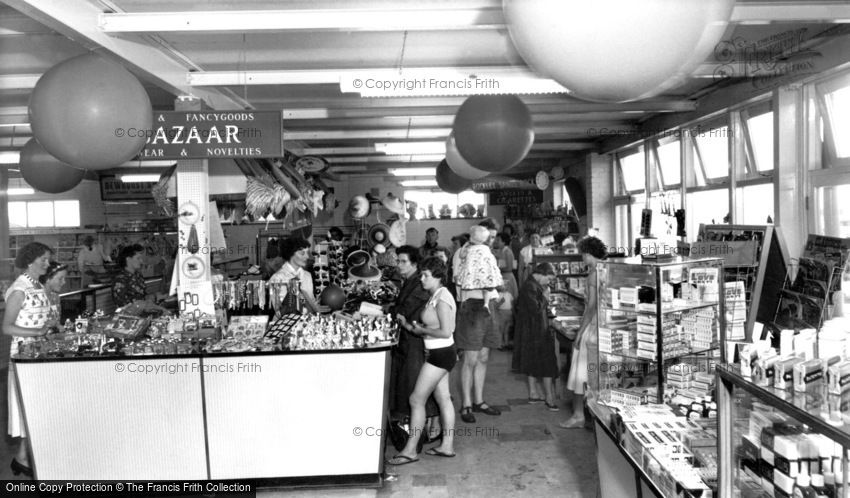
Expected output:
{"points": [[659, 328], [768, 436]]}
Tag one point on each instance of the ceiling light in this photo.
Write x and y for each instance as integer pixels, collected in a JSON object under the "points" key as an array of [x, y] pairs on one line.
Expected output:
{"points": [[20, 191], [418, 183], [405, 148], [10, 157], [413, 171], [139, 178]]}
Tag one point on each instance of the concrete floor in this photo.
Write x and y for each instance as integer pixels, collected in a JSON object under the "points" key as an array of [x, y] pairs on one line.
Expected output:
{"points": [[522, 452]]}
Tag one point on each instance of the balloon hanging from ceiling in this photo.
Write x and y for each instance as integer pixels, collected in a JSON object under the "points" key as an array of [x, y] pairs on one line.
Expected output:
{"points": [[458, 164], [493, 132], [90, 112], [448, 181], [616, 50], [45, 173]]}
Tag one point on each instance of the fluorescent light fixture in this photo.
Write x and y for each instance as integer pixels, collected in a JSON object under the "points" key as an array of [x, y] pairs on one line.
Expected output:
{"points": [[413, 171], [405, 148], [148, 164], [142, 178], [21, 191], [10, 157], [418, 183]]}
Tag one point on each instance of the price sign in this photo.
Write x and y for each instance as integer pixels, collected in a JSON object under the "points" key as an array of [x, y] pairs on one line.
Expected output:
{"points": [[515, 197]]}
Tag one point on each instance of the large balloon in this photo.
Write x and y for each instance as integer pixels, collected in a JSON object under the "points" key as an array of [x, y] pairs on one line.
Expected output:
{"points": [[458, 164], [46, 173], [493, 132], [448, 181], [90, 112], [616, 50]]}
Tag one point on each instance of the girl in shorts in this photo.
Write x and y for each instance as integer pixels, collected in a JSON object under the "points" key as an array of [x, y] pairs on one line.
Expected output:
{"points": [[437, 327]]}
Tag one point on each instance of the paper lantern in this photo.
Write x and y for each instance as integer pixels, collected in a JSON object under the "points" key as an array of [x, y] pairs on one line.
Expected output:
{"points": [[90, 113], [616, 50], [493, 132], [458, 164], [448, 181], [46, 173]]}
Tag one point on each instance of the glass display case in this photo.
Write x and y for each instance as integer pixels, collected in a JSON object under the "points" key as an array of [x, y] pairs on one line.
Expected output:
{"points": [[659, 329], [772, 439]]}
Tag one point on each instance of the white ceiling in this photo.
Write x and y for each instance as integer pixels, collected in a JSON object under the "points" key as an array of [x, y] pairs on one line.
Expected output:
{"points": [[35, 35]]}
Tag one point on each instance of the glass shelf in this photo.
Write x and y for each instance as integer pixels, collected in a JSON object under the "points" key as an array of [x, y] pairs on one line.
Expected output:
{"points": [[632, 355], [677, 309]]}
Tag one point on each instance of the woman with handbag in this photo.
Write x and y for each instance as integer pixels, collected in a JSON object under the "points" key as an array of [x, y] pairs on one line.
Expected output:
{"points": [[436, 329]]}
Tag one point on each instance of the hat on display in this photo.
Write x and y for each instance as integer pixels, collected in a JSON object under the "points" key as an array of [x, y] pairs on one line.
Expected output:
{"points": [[358, 207], [364, 272], [398, 233], [378, 234], [357, 258], [393, 204], [380, 248]]}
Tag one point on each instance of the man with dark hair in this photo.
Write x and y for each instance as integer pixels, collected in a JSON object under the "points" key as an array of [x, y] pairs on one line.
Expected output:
{"points": [[431, 238]]}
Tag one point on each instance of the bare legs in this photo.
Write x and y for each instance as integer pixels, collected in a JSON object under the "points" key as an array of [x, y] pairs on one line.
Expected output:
{"points": [[548, 389], [473, 373], [436, 380]]}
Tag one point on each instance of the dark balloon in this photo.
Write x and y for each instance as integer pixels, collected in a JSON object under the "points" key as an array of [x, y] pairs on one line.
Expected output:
{"points": [[493, 132], [333, 297], [46, 173], [450, 182]]}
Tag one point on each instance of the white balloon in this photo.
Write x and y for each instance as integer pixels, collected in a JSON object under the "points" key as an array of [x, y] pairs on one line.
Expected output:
{"points": [[616, 50], [458, 164]]}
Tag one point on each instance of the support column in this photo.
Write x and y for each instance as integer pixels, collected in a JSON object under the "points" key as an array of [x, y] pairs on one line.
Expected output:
{"points": [[4, 217], [790, 164], [599, 192]]}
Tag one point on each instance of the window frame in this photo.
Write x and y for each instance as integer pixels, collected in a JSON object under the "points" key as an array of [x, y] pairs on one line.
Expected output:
{"points": [[52, 202], [821, 90]]}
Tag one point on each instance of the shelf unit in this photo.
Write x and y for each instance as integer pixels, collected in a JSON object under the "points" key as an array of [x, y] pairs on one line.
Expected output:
{"points": [[571, 272], [738, 397], [651, 314], [753, 254]]}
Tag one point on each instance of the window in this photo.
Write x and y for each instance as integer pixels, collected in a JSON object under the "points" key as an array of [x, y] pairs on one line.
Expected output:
{"points": [[760, 135], [443, 203], [838, 109], [669, 163], [712, 147], [40, 214], [633, 172], [754, 204], [706, 206]]}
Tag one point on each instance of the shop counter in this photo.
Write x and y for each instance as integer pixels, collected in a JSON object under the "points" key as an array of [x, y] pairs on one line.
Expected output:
{"points": [[281, 418]]}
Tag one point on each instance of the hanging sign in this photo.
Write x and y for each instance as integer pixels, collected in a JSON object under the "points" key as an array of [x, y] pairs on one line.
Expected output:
{"points": [[113, 189], [515, 197], [213, 134]]}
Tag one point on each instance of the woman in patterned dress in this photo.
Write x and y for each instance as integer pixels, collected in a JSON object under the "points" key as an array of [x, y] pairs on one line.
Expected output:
{"points": [[27, 316]]}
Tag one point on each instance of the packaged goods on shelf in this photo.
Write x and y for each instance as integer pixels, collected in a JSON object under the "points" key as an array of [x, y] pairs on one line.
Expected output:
{"points": [[838, 376]]}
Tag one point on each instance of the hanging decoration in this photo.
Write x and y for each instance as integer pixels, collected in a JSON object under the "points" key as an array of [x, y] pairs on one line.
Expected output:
{"points": [[493, 132], [72, 110], [458, 164], [44, 172], [642, 49], [448, 181]]}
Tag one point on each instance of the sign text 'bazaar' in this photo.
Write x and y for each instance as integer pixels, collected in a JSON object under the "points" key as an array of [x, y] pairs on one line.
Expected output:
{"points": [[209, 134]]}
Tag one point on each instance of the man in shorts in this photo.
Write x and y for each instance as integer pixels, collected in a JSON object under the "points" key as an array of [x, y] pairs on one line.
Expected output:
{"points": [[477, 278]]}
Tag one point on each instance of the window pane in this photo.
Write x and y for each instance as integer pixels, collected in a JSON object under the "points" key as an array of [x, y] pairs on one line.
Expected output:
{"points": [[470, 197], [714, 152], [668, 156], [443, 203], [761, 136], [17, 215], [67, 213], [40, 214], [638, 204], [622, 223], [633, 171], [754, 204], [708, 206], [838, 103]]}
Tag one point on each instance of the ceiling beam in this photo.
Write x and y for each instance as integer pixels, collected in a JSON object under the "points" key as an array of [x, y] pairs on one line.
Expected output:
{"points": [[487, 16], [384, 19], [417, 133], [78, 21], [341, 151], [766, 11], [18, 81]]}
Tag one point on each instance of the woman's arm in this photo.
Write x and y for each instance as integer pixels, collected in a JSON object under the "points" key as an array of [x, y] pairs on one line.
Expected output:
{"points": [[13, 307]]}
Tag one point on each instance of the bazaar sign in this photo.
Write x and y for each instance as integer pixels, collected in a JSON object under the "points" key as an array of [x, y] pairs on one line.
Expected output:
{"points": [[212, 134]]}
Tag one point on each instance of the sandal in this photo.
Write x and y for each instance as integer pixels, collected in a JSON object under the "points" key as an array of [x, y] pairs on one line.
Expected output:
{"points": [[466, 415], [401, 460], [552, 407], [487, 410]]}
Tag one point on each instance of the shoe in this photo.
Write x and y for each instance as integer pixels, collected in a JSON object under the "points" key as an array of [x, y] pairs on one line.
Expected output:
{"points": [[466, 415], [489, 410], [535, 401], [552, 407], [571, 423], [401, 460], [19, 468]]}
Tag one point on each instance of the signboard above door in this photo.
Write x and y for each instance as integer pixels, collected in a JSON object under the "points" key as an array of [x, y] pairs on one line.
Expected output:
{"points": [[213, 134]]}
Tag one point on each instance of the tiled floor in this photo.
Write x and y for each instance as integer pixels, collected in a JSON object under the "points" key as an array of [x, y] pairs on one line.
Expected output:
{"points": [[523, 452]]}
